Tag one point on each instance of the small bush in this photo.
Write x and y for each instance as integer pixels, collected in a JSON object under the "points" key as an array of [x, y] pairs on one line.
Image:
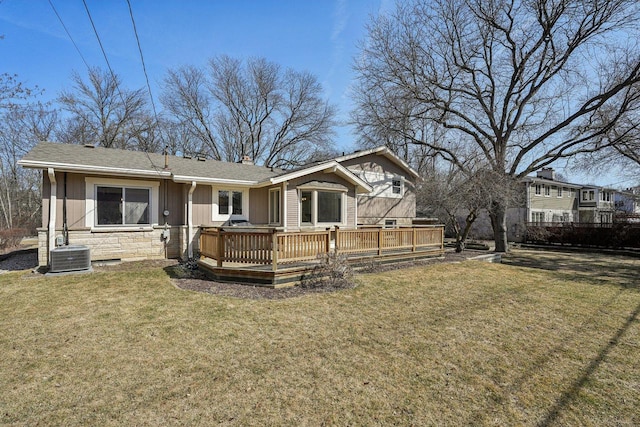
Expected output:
{"points": [[11, 238], [333, 271]]}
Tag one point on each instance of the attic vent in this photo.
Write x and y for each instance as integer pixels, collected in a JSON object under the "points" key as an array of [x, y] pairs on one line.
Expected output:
{"points": [[201, 159], [89, 146], [70, 258]]}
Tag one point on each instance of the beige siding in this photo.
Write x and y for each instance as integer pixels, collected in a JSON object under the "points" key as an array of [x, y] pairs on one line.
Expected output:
{"points": [[172, 199], [374, 163], [76, 200], [259, 206], [201, 204], [293, 207], [566, 202], [375, 210]]}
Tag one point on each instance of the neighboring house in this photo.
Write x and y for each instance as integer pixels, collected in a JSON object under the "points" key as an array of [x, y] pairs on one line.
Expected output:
{"points": [[136, 205], [547, 200], [628, 201]]}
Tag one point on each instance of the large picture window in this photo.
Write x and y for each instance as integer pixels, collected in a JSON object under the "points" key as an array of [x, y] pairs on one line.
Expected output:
{"points": [[122, 205], [329, 206], [321, 206]]}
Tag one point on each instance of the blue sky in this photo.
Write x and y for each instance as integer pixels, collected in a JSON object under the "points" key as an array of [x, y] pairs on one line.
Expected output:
{"points": [[320, 36]]}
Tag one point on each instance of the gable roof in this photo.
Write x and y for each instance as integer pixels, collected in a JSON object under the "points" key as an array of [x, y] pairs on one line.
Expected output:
{"points": [[111, 161], [331, 166], [381, 151]]}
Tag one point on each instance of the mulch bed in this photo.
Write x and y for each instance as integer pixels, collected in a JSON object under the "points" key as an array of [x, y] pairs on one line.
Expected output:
{"points": [[194, 280]]}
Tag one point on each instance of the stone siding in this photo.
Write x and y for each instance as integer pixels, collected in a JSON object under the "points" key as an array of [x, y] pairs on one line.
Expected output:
{"points": [[122, 245]]}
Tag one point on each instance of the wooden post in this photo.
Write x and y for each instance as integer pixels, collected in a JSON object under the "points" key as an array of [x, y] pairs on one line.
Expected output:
{"points": [[380, 241], [413, 249], [274, 250], [220, 247], [327, 243], [337, 245]]}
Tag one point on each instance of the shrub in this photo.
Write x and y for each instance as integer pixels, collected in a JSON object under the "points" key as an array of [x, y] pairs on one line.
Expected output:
{"points": [[333, 271], [12, 237]]}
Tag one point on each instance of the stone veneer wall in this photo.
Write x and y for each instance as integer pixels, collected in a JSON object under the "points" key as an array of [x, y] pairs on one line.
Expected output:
{"points": [[123, 245]]}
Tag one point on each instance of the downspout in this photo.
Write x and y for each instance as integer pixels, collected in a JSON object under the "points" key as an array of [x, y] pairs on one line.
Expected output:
{"points": [[65, 228], [190, 220], [52, 212]]}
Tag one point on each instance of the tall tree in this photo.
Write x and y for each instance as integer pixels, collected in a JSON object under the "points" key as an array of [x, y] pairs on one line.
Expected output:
{"points": [[103, 112], [253, 108], [21, 127], [517, 84]]}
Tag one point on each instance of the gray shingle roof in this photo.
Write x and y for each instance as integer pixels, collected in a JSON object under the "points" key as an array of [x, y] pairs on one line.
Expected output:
{"points": [[78, 157]]}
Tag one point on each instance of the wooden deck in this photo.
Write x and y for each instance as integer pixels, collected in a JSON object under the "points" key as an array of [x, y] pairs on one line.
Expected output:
{"points": [[270, 257]]}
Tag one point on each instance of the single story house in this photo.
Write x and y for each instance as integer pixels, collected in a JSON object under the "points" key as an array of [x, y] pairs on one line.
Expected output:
{"points": [[134, 205]]}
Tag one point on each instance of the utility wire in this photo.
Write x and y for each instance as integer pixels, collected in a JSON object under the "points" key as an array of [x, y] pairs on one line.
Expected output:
{"points": [[104, 54], [144, 67], [113, 76], [68, 33]]}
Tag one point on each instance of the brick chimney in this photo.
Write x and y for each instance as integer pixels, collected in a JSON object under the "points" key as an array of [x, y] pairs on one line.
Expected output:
{"points": [[547, 173]]}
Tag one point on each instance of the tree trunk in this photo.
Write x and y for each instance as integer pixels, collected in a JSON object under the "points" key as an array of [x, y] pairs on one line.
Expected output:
{"points": [[498, 214]]}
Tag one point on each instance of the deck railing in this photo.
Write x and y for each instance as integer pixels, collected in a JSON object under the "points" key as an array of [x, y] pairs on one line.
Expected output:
{"points": [[275, 247]]}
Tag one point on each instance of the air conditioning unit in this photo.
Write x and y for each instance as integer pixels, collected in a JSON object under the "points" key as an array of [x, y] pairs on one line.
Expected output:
{"points": [[70, 258]]}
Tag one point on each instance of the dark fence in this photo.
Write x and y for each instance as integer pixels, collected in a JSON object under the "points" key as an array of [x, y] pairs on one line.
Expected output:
{"points": [[613, 235]]}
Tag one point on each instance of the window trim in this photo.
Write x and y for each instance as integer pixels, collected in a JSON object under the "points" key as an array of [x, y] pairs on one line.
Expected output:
{"points": [[537, 189], [560, 191], [547, 191], [314, 207], [215, 215], [271, 192], [91, 197]]}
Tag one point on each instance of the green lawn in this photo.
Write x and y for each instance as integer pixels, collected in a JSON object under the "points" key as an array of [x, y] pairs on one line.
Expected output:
{"points": [[449, 344]]}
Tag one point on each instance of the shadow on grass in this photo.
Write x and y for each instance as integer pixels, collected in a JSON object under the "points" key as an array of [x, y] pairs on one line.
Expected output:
{"points": [[594, 268], [568, 396]]}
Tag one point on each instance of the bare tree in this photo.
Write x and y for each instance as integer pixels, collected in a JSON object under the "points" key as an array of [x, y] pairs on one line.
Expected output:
{"points": [[104, 112], [516, 84], [21, 127], [252, 108]]}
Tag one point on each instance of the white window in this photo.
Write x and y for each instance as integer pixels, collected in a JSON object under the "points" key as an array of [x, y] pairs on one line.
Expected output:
{"points": [[547, 191], [537, 217], [274, 206], [121, 203], [228, 202], [539, 189], [396, 186], [322, 207], [588, 195], [559, 191]]}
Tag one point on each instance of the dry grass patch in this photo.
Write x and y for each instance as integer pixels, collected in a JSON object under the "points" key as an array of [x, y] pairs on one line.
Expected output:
{"points": [[456, 344]]}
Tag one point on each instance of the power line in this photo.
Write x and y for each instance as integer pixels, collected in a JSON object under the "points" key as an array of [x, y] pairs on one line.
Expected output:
{"points": [[144, 67], [104, 54], [68, 34]]}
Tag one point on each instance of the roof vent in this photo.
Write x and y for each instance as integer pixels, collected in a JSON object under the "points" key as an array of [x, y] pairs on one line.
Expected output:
{"points": [[246, 160], [89, 146]]}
